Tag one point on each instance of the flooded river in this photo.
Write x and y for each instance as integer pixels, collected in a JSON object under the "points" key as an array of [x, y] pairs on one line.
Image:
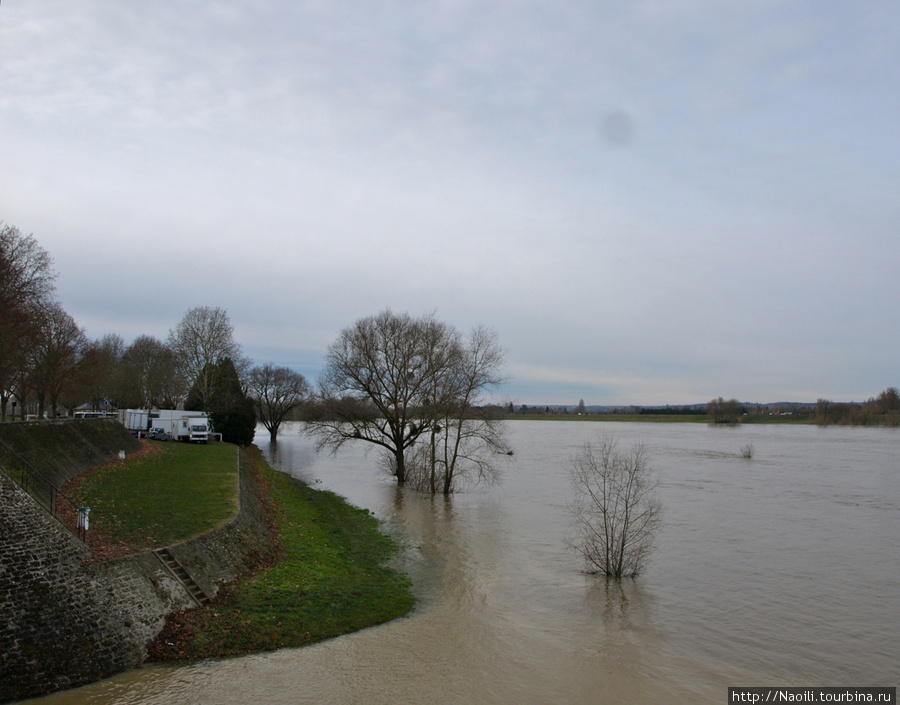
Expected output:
{"points": [[783, 569]]}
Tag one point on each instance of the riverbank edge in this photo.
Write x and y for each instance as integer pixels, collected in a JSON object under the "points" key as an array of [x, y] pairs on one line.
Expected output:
{"points": [[68, 620], [657, 418], [278, 603]]}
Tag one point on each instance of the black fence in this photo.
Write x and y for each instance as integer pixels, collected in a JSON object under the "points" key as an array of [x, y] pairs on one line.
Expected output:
{"points": [[44, 491]]}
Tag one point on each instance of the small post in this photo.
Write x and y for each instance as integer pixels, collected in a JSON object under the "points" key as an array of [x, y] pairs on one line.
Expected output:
{"points": [[121, 455], [84, 520]]}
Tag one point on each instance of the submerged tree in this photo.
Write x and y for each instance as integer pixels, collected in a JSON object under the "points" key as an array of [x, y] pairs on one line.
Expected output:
{"points": [[465, 436], [721, 411], [394, 381], [615, 510], [276, 392], [377, 378]]}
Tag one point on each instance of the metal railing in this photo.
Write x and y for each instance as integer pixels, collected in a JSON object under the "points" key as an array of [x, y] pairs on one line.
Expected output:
{"points": [[46, 493]]}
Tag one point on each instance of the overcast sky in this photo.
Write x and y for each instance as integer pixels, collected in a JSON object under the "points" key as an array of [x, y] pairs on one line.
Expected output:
{"points": [[652, 201]]}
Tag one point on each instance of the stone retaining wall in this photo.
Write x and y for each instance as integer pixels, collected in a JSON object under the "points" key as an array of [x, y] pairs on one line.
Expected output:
{"points": [[64, 622], [60, 450]]}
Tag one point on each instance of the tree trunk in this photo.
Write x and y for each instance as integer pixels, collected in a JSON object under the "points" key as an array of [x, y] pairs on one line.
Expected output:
{"points": [[400, 463]]}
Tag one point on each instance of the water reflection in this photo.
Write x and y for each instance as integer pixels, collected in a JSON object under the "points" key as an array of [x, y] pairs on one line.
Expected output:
{"points": [[620, 605]]}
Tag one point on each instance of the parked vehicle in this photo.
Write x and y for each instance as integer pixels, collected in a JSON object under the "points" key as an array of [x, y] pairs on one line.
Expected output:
{"points": [[166, 424], [181, 425], [135, 420]]}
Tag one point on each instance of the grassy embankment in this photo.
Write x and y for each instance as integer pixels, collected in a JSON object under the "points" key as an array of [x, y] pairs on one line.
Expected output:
{"points": [[162, 495], [328, 577]]}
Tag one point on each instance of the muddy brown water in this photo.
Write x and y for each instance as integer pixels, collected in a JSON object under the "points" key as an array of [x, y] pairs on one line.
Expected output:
{"points": [[779, 570]]}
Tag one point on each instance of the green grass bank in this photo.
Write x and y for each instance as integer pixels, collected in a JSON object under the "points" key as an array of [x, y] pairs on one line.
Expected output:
{"points": [[164, 494], [329, 577], [328, 574]]}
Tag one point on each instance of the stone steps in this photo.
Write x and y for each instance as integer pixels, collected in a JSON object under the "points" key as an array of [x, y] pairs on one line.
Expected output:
{"points": [[182, 576]]}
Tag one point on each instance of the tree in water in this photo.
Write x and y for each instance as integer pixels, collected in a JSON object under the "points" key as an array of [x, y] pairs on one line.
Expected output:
{"points": [[465, 436], [616, 512], [408, 385], [276, 392], [727, 412]]}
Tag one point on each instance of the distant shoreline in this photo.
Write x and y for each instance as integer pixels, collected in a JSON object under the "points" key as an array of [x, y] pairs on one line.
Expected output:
{"points": [[656, 418]]}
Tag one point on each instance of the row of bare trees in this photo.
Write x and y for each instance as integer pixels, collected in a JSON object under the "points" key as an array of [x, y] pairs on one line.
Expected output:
{"points": [[48, 365], [413, 386], [883, 409], [40, 344]]}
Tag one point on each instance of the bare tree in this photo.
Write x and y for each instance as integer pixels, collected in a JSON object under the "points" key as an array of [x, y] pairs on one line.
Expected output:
{"points": [[379, 384], [615, 509], [202, 339], [150, 376], [276, 392], [464, 437], [61, 343], [26, 287], [101, 368], [26, 272], [721, 411]]}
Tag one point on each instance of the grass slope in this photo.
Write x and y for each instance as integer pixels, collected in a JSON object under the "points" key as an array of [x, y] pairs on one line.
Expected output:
{"points": [[166, 494], [330, 578]]}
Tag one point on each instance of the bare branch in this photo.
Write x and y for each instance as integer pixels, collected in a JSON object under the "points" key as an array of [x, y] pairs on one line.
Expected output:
{"points": [[276, 392], [411, 386], [615, 510]]}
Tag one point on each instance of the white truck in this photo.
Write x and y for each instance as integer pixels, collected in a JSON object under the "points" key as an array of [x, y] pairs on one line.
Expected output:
{"points": [[135, 420], [181, 425]]}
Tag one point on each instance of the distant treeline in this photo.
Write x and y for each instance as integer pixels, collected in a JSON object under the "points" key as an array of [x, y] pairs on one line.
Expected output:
{"points": [[881, 410], [673, 410]]}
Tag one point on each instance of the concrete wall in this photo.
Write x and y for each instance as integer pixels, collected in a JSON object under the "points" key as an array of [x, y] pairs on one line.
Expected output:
{"points": [[65, 622]]}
